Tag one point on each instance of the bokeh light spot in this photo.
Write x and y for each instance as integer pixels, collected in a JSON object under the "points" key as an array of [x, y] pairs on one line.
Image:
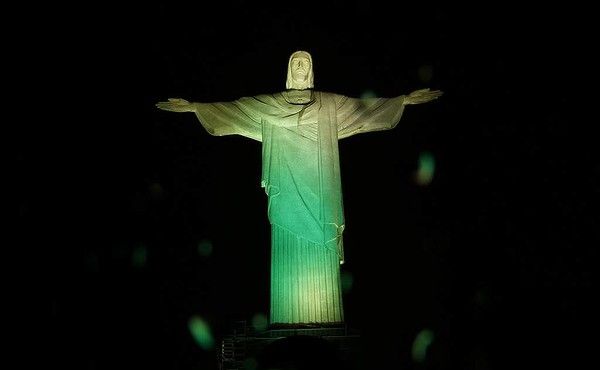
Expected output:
{"points": [[425, 73], [426, 169], [250, 363], [156, 190], [420, 345], [260, 322], [368, 94], [205, 248], [139, 256], [347, 281], [201, 332]]}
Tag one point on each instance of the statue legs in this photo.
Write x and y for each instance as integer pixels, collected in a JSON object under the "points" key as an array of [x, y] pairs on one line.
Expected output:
{"points": [[305, 282]]}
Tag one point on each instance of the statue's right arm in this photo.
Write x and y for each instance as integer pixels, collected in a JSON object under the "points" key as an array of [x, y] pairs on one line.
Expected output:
{"points": [[176, 105], [422, 96], [239, 117]]}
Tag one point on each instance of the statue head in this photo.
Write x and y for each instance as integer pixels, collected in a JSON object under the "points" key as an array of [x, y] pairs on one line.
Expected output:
{"points": [[300, 72]]}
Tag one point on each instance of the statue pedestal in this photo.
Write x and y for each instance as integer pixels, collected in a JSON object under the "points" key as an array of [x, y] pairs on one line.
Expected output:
{"points": [[305, 347]]}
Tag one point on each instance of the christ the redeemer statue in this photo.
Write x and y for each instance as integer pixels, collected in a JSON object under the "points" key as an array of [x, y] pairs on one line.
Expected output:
{"points": [[299, 129]]}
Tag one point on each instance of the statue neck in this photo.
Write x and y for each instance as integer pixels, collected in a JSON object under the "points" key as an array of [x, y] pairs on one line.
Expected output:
{"points": [[294, 96]]}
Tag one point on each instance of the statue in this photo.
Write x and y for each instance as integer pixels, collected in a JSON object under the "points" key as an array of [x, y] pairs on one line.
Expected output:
{"points": [[299, 129]]}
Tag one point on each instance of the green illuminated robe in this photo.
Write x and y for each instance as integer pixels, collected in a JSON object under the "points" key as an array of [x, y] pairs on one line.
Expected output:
{"points": [[299, 131]]}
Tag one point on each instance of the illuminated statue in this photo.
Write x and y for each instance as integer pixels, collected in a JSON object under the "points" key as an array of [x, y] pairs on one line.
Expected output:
{"points": [[299, 129]]}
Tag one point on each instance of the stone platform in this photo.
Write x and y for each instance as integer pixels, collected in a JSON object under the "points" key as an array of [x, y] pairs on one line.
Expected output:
{"points": [[311, 347]]}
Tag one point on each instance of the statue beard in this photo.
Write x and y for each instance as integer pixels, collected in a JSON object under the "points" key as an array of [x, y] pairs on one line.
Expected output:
{"points": [[301, 84]]}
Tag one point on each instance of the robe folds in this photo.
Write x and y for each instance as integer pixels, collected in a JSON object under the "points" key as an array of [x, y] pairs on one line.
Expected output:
{"points": [[299, 131]]}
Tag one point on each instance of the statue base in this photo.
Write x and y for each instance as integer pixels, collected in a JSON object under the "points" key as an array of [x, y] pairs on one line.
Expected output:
{"points": [[295, 346]]}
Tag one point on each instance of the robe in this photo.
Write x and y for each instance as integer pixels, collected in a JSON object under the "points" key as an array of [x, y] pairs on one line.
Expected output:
{"points": [[301, 177]]}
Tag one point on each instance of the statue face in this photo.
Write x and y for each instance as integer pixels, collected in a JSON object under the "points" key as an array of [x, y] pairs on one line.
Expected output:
{"points": [[300, 69]]}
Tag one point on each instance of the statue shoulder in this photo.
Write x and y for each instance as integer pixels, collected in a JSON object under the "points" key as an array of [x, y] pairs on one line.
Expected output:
{"points": [[262, 98], [337, 98]]}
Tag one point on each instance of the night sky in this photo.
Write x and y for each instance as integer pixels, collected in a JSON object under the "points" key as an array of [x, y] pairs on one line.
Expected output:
{"points": [[137, 219]]}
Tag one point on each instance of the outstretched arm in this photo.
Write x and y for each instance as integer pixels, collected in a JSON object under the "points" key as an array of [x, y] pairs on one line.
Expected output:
{"points": [[239, 117], [355, 116], [422, 96], [176, 105]]}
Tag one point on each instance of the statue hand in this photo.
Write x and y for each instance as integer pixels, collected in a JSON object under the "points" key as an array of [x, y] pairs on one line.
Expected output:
{"points": [[176, 105], [422, 96]]}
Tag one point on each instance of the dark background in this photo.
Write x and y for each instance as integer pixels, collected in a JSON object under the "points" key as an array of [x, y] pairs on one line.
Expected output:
{"points": [[494, 256]]}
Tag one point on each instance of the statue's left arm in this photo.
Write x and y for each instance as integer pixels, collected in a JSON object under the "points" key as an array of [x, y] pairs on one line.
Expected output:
{"points": [[355, 116]]}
